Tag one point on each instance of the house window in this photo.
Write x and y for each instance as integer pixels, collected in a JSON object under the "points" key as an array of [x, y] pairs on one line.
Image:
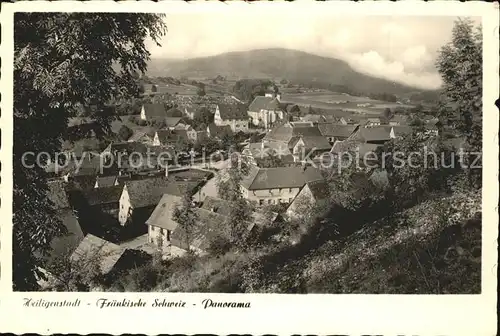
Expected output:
{"points": [[161, 232], [168, 235], [261, 202], [289, 189]]}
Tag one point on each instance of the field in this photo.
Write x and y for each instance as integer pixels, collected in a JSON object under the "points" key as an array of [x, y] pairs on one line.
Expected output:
{"points": [[336, 101]]}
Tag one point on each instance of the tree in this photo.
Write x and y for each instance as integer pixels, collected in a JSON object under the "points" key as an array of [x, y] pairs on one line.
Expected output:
{"points": [[230, 190], [460, 66], [187, 219], [201, 91], [154, 88], [61, 61], [203, 116], [387, 113], [125, 132]]}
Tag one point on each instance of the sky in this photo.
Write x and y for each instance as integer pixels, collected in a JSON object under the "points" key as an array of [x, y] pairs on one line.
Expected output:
{"points": [[401, 49]]}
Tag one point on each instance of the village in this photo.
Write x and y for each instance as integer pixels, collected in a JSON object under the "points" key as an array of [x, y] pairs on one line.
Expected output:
{"points": [[123, 215]]}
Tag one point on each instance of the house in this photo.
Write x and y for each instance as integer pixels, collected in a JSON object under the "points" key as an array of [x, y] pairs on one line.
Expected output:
{"points": [[400, 131], [313, 118], [310, 145], [63, 245], [232, 115], [155, 111], [398, 120], [174, 122], [167, 137], [106, 181], [161, 223], [139, 197], [371, 122], [166, 234], [276, 185], [313, 192], [141, 137], [364, 152], [289, 133], [105, 199], [195, 135], [214, 131], [334, 132], [266, 110], [257, 152], [373, 135], [94, 251]]}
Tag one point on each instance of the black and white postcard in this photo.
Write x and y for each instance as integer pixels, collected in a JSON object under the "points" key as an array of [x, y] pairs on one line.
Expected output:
{"points": [[234, 167]]}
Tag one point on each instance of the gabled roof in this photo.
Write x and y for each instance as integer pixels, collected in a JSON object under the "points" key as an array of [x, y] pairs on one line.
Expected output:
{"points": [[93, 249], [57, 194], [83, 182], [106, 181], [233, 111], [218, 131], [366, 134], [146, 192], [316, 142], [162, 214], [336, 130], [340, 147], [264, 103], [172, 121], [286, 132], [105, 195], [156, 110], [315, 118], [62, 246], [281, 177], [126, 147], [402, 130]]}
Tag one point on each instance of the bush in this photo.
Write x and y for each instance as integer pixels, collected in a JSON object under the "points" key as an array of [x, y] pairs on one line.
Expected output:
{"points": [[125, 132], [142, 122]]}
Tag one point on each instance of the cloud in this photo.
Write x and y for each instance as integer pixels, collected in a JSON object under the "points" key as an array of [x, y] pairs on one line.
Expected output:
{"points": [[402, 49], [374, 64]]}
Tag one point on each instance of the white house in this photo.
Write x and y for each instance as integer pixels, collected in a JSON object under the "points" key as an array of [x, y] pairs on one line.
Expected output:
{"points": [[265, 110], [232, 115]]}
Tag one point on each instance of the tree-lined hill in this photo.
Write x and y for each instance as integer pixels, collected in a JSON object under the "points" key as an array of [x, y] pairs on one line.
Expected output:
{"points": [[296, 66]]}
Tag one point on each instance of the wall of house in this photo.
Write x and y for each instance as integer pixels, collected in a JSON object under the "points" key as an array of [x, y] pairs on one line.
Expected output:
{"points": [[156, 140], [271, 196], [239, 125], [159, 237], [143, 113], [125, 210]]}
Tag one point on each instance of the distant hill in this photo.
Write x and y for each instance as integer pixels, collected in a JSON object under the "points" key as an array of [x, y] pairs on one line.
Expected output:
{"points": [[296, 66]]}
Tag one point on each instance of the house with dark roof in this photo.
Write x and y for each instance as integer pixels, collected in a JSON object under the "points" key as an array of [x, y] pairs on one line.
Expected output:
{"points": [[139, 197], [312, 193], [265, 111], [105, 199], [313, 118], [108, 257], [217, 132], [232, 115], [155, 111], [289, 134], [334, 132], [372, 135], [277, 185], [106, 181], [258, 152], [309, 146], [63, 246]]}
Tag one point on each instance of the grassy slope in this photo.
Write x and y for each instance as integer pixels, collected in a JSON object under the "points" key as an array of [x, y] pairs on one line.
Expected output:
{"points": [[417, 253], [431, 248]]}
